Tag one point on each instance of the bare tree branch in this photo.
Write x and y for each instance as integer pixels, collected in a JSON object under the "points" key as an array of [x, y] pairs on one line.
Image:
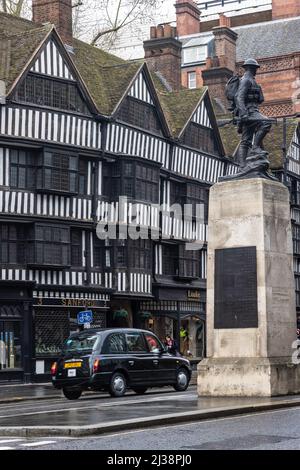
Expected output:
{"points": [[100, 22]]}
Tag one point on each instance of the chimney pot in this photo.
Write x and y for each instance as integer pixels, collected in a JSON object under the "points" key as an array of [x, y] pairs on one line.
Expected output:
{"points": [[160, 31], [167, 31], [153, 32]]}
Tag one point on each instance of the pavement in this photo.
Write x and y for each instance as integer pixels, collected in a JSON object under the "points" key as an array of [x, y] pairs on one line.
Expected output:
{"points": [[40, 410], [23, 392]]}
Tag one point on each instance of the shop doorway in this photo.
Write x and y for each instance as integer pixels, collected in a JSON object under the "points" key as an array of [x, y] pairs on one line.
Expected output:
{"points": [[10, 345], [192, 337]]}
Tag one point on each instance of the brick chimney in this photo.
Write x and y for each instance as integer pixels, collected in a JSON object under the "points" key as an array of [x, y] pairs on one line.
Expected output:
{"points": [[57, 12], [163, 54], [220, 66], [285, 9], [187, 17]]}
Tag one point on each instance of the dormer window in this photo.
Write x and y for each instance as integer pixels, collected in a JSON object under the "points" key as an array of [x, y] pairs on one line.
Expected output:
{"points": [[48, 92]]}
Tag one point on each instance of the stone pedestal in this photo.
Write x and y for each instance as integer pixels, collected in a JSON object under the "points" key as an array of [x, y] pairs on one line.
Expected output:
{"points": [[249, 353]]}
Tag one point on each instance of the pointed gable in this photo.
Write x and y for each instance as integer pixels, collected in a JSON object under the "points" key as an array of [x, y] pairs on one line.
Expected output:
{"points": [[201, 115], [16, 51], [140, 105], [140, 90], [50, 62]]}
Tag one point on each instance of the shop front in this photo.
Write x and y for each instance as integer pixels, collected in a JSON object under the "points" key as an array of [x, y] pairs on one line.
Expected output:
{"points": [[180, 314], [15, 332], [55, 317]]}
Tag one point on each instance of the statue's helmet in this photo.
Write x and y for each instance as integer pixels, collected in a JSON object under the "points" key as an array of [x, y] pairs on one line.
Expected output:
{"points": [[251, 63]]}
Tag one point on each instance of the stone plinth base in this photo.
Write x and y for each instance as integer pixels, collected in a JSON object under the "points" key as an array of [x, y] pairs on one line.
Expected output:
{"points": [[251, 309], [247, 377]]}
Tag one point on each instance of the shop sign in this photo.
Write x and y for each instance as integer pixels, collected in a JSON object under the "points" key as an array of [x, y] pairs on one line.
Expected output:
{"points": [[193, 295], [68, 302]]}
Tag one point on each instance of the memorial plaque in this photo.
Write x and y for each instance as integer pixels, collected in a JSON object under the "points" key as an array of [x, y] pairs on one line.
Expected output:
{"points": [[236, 288]]}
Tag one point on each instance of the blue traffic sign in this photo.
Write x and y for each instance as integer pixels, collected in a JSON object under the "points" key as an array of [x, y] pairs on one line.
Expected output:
{"points": [[85, 317]]}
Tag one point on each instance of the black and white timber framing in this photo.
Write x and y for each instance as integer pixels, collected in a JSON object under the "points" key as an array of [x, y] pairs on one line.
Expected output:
{"points": [[94, 148]]}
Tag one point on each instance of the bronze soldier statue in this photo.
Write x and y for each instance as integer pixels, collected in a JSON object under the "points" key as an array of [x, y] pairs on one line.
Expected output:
{"points": [[253, 125]]}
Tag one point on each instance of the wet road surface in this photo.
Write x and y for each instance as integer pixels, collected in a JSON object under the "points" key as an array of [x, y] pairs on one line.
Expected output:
{"points": [[100, 408], [270, 430]]}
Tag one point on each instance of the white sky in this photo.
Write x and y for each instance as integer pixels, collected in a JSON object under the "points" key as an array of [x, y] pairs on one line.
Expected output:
{"points": [[132, 47], [130, 44]]}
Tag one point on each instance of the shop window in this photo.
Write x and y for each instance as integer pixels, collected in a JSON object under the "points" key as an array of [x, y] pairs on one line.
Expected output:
{"points": [[51, 330], [51, 93], [10, 345]]}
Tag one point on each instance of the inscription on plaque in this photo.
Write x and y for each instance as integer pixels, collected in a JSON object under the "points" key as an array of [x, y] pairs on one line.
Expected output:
{"points": [[236, 288]]}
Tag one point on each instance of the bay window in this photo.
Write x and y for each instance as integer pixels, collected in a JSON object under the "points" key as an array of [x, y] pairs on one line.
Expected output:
{"points": [[12, 243], [57, 172], [49, 245], [22, 169], [133, 179]]}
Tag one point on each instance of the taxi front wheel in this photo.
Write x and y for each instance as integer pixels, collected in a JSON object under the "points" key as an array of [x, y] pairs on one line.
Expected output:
{"points": [[182, 380], [72, 394]]}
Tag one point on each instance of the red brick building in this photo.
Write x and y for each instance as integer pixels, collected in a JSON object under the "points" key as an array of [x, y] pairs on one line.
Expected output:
{"points": [[213, 49]]}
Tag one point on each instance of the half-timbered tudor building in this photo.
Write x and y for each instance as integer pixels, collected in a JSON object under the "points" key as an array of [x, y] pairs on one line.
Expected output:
{"points": [[78, 129]]}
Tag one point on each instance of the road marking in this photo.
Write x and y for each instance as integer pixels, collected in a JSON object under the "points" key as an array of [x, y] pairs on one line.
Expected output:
{"points": [[5, 441], [36, 444]]}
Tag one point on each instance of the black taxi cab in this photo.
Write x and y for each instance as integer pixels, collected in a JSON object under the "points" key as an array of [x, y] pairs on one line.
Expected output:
{"points": [[115, 360]]}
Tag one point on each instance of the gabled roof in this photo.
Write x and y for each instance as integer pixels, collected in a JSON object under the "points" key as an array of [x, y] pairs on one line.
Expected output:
{"points": [[106, 77], [16, 51], [179, 107], [272, 143]]}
